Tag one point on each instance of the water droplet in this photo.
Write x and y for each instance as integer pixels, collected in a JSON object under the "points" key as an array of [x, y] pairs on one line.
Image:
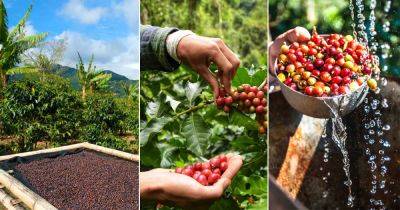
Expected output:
{"points": [[371, 132], [386, 127], [373, 166], [383, 170], [373, 190], [348, 183], [371, 141], [382, 184], [372, 123], [366, 109], [350, 200], [381, 152], [383, 81], [324, 194], [374, 104], [372, 157], [385, 103], [385, 159], [378, 113], [367, 151], [386, 144]]}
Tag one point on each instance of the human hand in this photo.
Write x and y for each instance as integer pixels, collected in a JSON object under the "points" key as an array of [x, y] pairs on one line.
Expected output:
{"points": [[298, 34], [199, 52], [170, 188]]}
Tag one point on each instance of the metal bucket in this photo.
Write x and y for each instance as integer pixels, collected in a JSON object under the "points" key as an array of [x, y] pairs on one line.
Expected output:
{"points": [[323, 107]]}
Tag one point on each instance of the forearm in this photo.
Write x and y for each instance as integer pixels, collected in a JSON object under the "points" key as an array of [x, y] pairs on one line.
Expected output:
{"points": [[153, 50]]}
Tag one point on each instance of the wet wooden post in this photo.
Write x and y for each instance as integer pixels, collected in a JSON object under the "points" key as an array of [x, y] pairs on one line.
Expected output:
{"points": [[297, 148]]}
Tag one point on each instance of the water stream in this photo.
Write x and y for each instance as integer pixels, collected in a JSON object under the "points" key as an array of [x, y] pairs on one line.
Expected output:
{"points": [[373, 127], [339, 137]]}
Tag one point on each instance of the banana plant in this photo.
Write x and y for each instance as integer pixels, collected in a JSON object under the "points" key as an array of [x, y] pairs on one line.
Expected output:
{"points": [[13, 43], [90, 77], [45, 57], [130, 90]]}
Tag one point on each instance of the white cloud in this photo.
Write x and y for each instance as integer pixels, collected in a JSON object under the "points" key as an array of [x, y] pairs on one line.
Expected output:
{"points": [[76, 9], [119, 55], [29, 29], [129, 9]]}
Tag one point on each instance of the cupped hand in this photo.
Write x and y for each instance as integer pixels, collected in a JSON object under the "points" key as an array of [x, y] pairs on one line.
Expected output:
{"points": [[199, 52], [298, 34], [174, 189]]}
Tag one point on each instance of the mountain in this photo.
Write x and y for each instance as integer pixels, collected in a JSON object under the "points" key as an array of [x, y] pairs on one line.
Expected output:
{"points": [[71, 74], [114, 83]]}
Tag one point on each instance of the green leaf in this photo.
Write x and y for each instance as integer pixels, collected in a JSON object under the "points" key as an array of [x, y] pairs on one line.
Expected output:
{"points": [[153, 126], [253, 185], [192, 91], [167, 155], [21, 70], [240, 119], [157, 108], [225, 204], [243, 142], [242, 77], [197, 134], [172, 102], [258, 77], [260, 204], [150, 155]]}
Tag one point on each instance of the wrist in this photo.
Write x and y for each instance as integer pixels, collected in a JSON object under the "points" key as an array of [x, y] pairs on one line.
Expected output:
{"points": [[173, 41]]}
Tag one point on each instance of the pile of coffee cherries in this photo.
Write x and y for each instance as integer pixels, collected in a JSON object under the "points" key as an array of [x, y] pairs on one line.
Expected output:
{"points": [[248, 99], [325, 66], [206, 173]]}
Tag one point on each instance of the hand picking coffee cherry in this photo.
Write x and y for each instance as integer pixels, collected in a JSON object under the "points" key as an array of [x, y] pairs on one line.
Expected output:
{"points": [[206, 173], [248, 99], [325, 66]]}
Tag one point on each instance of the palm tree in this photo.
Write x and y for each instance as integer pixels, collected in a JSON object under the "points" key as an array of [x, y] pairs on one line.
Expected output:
{"points": [[90, 77], [13, 44]]}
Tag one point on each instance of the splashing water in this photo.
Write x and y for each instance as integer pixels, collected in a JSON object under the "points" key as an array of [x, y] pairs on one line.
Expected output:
{"points": [[373, 126], [339, 137], [326, 159]]}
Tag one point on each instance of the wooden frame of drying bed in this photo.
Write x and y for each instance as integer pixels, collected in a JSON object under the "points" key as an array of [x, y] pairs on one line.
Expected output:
{"points": [[28, 197]]}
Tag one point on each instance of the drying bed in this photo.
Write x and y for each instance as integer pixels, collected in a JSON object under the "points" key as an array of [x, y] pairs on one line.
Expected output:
{"points": [[82, 176]]}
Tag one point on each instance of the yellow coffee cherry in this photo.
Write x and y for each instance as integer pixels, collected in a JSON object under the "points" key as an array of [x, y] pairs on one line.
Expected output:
{"points": [[327, 90], [281, 77], [283, 58], [372, 84], [348, 38]]}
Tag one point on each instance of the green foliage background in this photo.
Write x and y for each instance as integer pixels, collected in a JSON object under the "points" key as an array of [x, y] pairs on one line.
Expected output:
{"points": [[180, 124], [242, 24], [333, 16], [47, 109]]}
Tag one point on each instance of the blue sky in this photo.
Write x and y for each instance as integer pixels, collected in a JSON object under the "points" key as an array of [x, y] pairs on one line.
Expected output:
{"points": [[109, 29]]}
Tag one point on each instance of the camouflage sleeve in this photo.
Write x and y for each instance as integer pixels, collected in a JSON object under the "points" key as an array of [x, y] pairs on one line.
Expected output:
{"points": [[153, 50]]}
